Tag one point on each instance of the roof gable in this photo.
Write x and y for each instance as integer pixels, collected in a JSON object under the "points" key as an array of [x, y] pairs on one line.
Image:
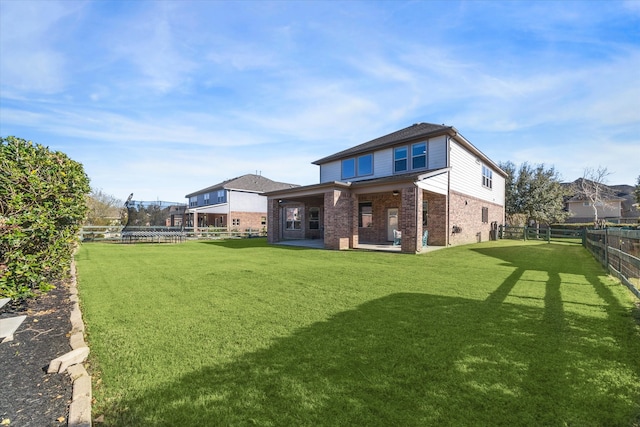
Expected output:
{"points": [[249, 182], [413, 132]]}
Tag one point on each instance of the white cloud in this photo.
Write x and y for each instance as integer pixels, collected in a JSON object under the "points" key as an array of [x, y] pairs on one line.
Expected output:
{"points": [[30, 60]]}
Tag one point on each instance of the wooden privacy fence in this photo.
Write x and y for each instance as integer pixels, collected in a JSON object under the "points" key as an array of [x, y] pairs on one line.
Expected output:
{"points": [[538, 233], [618, 250]]}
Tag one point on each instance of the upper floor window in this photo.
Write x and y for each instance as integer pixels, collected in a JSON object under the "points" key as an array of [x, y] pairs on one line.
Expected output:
{"points": [[487, 177], [206, 198], [193, 201], [419, 156], [220, 196], [348, 168], [405, 160], [400, 159], [365, 165], [360, 166]]}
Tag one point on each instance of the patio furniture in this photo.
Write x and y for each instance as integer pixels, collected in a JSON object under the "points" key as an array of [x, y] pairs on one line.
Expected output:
{"points": [[397, 237]]}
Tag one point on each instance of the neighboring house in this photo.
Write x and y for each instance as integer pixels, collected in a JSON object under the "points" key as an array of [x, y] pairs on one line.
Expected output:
{"points": [[235, 204], [617, 205], [425, 177]]}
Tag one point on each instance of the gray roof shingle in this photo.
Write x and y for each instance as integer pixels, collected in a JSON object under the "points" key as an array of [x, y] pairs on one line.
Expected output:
{"points": [[248, 182], [416, 131]]}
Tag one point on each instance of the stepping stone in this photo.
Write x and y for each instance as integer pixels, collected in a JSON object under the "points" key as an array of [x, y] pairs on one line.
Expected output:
{"points": [[3, 301], [9, 326]]}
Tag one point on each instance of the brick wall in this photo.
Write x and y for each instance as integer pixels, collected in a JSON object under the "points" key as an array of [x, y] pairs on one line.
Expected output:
{"points": [[253, 220], [380, 203], [338, 219], [466, 215], [273, 221], [408, 220], [437, 218]]}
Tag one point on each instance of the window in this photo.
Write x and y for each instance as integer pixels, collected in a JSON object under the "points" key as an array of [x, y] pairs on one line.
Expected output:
{"points": [[206, 198], [193, 201], [235, 221], [293, 219], [419, 156], [487, 177], [485, 215], [314, 218], [263, 220], [365, 165], [400, 159], [365, 215], [220, 196], [348, 168]]}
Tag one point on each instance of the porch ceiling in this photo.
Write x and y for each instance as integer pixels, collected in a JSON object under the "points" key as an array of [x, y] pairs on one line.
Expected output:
{"points": [[219, 208]]}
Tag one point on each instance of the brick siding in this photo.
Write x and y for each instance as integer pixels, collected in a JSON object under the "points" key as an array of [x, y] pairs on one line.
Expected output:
{"points": [[466, 215]]}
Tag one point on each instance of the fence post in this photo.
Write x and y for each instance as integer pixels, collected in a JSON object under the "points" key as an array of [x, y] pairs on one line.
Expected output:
{"points": [[584, 237], [606, 249], [501, 230], [549, 235], [524, 232]]}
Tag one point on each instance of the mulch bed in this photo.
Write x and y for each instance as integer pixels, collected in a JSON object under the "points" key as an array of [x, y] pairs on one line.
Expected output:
{"points": [[28, 395]]}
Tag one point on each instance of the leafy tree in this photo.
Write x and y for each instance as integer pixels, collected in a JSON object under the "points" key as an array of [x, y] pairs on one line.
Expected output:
{"points": [[104, 209], [534, 193], [592, 188], [637, 191], [42, 206]]}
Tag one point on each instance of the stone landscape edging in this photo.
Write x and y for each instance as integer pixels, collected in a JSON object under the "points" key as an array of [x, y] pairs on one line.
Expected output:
{"points": [[72, 362]]}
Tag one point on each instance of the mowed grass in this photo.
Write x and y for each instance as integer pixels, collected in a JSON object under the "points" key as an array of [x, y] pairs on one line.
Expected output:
{"points": [[239, 333]]}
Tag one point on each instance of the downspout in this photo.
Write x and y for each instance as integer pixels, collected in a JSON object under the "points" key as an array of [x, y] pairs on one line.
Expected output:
{"points": [[446, 243]]}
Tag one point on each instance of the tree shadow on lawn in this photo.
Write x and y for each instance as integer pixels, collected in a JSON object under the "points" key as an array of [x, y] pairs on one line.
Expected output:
{"points": [[252, 243], [412, 359]]}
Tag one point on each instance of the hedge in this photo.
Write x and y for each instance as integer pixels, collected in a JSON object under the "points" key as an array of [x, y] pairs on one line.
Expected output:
{"points": [[42, 206]]}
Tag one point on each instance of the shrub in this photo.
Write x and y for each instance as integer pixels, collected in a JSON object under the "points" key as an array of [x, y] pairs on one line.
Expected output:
{"points": [[42, 205]]}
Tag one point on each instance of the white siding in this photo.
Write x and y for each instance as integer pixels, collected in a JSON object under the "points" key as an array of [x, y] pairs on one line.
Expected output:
{"points": [[610, 209], [330, 172], [437, 184], [247, 202], [466, 176], [383, 162], [438, 153]]}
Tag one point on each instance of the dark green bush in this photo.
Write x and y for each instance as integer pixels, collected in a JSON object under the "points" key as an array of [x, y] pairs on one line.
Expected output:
{"points": [[42, 206]]}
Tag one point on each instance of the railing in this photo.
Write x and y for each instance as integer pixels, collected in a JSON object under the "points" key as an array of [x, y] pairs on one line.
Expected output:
{"points": [[537, 233], [117, 233], [619, 252]]}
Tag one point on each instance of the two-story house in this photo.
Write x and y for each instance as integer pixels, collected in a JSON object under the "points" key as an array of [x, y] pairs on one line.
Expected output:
{"points": [[234, 204], [615, 204], [424, 178]]}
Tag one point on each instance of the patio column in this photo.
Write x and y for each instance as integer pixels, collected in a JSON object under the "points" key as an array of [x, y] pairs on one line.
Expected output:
{"points": [[337, 219], [195, 222], [409, 223], [273, 221]]}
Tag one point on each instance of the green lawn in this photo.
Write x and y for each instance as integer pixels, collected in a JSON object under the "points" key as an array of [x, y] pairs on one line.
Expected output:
{"points": [[236, 333]]}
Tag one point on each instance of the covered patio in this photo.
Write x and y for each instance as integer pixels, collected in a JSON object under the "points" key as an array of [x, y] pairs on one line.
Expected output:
{"points": [[363, 214]]}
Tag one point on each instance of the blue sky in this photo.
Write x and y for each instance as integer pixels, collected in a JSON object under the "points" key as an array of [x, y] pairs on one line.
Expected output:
{"points": [[163, 98]]}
